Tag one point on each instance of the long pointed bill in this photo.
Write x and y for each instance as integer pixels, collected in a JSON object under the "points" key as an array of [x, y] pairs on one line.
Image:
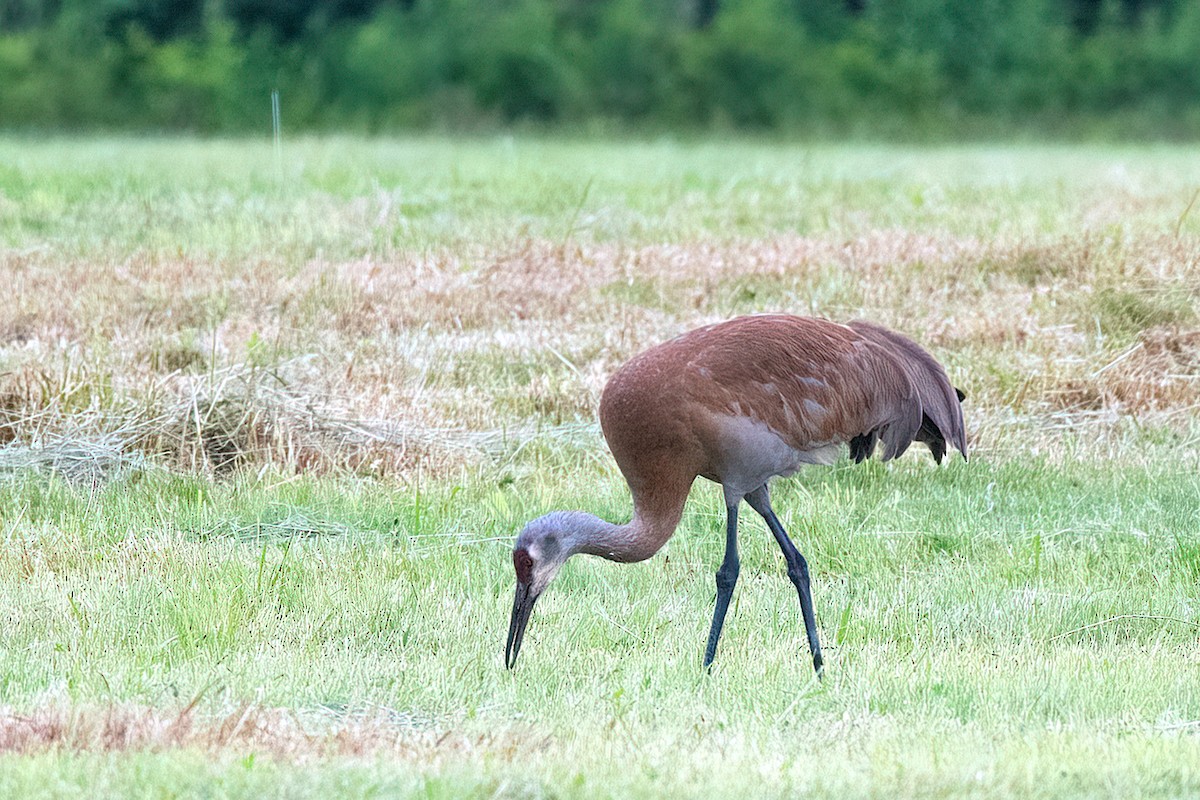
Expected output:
{"points": [[522, 609]]}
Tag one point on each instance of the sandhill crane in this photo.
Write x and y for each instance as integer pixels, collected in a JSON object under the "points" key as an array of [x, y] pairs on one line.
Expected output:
{"points": [[741, 402]]}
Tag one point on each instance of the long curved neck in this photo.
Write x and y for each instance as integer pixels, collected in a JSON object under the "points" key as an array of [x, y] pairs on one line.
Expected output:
{"points": [[656, 515]]}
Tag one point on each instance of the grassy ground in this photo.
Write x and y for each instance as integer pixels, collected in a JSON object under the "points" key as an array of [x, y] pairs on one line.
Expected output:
{"points": [[268, 431]]}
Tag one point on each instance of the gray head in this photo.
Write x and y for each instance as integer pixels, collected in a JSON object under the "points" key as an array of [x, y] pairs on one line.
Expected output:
{"points": [[540, 551]]}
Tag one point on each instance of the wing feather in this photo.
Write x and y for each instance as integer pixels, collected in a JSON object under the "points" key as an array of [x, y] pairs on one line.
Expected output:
{"points": [[814, 382], [941, 403]]}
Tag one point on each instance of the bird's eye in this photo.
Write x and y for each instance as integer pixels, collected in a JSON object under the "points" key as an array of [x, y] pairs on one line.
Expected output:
{"points": [[523, 564]]}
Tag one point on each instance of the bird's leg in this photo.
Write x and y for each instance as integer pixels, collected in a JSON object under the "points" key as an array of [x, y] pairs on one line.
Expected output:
{"points": [[797, 569], [727, 577]]}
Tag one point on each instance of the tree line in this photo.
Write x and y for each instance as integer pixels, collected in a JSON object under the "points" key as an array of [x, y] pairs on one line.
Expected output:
{"points": [[811, 67]]}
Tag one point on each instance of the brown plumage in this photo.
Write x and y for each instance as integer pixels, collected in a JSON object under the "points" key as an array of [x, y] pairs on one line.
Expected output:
{"points": [[739, 403]]}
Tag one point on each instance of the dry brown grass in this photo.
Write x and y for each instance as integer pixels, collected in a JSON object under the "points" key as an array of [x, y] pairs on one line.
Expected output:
{"points": [[384, 364], [281, 733], [1160, 372]]}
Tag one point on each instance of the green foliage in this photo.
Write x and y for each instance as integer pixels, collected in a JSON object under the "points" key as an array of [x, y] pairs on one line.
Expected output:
{"points": [[914, 65], [515, 64], [630, 62], [744, 69]]}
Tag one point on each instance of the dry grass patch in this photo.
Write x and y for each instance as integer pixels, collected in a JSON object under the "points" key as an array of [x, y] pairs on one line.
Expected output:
{"points": [[386, 364], [281, 733], [1160, 372], [530, 280]]}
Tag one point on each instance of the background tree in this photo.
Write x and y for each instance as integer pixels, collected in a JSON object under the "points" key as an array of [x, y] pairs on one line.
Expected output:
{"points": [[907, 67]]}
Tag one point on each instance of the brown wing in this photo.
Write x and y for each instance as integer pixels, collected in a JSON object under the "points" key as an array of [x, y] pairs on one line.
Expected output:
{"points": [[814, 382]]}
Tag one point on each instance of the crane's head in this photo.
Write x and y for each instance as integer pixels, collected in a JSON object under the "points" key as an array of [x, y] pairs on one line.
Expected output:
{"points": [[540, 551]]}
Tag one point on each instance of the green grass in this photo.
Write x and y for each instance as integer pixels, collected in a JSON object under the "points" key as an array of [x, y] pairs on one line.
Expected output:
{"points": [[305, 417], [989, 628], [352, 197]]}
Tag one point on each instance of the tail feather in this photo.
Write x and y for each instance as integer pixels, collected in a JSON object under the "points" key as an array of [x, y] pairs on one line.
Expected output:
{"points": [[863, 446], [941, 402]]}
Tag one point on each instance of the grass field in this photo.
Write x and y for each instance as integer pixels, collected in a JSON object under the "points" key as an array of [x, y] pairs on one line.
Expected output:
{"points": [[267, 430]]}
